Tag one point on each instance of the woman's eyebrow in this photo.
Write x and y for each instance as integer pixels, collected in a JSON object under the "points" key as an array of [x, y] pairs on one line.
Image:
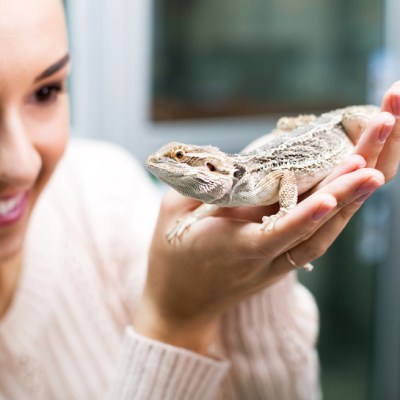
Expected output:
{"points": [[54, 68]]}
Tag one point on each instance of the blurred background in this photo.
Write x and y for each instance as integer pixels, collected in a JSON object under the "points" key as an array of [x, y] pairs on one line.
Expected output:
{"points": [[222, 72]]}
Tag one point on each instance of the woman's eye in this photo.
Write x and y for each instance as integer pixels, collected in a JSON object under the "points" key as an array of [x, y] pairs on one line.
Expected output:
{"points": [[47, 94]]}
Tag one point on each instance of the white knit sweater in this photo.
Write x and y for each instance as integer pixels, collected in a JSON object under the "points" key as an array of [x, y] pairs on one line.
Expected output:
{"points": [[67, 334]]}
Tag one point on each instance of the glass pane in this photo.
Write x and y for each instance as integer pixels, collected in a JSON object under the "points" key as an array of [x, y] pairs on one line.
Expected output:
{"points": [[217, 58]]}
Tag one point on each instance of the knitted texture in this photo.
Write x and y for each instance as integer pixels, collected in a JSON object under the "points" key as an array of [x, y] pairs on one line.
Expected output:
{"points": [[67, 333]]}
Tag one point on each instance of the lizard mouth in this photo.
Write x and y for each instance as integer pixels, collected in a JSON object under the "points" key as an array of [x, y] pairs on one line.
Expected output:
{"points": [[164, 171]]}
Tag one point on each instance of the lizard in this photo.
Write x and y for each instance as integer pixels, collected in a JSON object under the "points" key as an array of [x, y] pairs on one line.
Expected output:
{"points": [[278, 167]]}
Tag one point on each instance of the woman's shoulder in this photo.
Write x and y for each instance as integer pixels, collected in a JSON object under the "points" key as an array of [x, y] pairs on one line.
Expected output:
{"points": [[102, 181], [95, 219], [101, 194], [96, 166], [97, 156]]}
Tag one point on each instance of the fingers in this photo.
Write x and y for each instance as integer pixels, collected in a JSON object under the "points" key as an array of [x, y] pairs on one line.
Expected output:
{"points": [[379, 144], [316, 245], [306, 219], [350, 164], [368, 148], [349, 200], [388, 161], [372, 141]]}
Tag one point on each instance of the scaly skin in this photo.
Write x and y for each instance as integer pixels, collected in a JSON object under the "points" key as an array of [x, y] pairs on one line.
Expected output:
{"points": [[276, 168]]}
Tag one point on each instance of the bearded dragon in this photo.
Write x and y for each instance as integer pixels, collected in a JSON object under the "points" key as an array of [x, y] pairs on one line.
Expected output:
{"points": [[277, 167]]}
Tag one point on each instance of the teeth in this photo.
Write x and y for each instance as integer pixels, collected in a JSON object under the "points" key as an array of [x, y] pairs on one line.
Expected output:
{"points": [[7, 205]]}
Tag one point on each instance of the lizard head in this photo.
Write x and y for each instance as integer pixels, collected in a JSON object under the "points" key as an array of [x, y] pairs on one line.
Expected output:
{"points": [[202, 172]]}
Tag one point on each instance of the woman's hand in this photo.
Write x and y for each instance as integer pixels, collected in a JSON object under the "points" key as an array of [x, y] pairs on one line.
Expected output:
{"points": [[224, 258], [378, 147]]}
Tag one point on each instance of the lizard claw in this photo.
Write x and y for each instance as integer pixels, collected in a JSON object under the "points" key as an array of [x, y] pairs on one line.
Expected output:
{"points": [[176, 231], [184, 224], [268, 222], [180, 227]]}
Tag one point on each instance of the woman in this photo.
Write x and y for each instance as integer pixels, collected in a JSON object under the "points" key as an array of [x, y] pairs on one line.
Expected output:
{"points": [[219, 315]]}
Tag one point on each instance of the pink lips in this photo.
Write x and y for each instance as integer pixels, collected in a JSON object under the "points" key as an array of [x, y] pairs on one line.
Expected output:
{"points": [[12, 208]]}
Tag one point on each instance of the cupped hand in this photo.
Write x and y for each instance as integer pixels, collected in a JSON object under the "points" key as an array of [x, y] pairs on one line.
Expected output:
{"points": [[378, 147], [224, 258]]}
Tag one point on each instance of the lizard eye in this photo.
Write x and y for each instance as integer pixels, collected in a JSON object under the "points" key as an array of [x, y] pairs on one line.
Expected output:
{"points": [[179, 154]]}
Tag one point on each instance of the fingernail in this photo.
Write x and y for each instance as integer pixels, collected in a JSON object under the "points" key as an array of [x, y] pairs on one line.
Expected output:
{"points": [[396, 102], [323, 210], [385, 131]]}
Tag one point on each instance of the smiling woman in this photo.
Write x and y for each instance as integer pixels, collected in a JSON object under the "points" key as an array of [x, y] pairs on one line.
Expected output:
{"points": [[86, 272], [34, 121]]}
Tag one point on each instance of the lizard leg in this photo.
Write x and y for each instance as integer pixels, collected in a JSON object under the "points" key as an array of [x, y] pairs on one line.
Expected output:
{"points": [[200, 212], [354, 124], [287, 199]]}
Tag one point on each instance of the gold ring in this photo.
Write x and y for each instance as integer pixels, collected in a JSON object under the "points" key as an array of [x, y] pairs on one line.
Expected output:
{"points": [[290, 259], [308, 267]]}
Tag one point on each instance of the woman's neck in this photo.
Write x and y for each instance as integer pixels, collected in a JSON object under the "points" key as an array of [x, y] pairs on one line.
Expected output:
{"points": [[9, 276]]}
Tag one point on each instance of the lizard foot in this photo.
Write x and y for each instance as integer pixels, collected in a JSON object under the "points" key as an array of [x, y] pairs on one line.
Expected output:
{"points": [[268, 222], [180, 227], [183, 224]]}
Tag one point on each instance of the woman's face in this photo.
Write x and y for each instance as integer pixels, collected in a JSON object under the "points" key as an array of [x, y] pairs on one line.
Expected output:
{"points": [[33, 110]]}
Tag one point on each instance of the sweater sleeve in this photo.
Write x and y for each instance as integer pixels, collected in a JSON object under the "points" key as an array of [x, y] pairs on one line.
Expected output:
{"points": [[148, 369], [270, 341]]}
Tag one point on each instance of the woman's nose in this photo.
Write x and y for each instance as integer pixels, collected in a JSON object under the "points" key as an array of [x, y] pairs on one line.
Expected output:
{"points": [[19, 160]]}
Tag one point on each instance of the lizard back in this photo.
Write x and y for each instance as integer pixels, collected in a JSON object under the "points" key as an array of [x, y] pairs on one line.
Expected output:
{"points": [[321, 143]]}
